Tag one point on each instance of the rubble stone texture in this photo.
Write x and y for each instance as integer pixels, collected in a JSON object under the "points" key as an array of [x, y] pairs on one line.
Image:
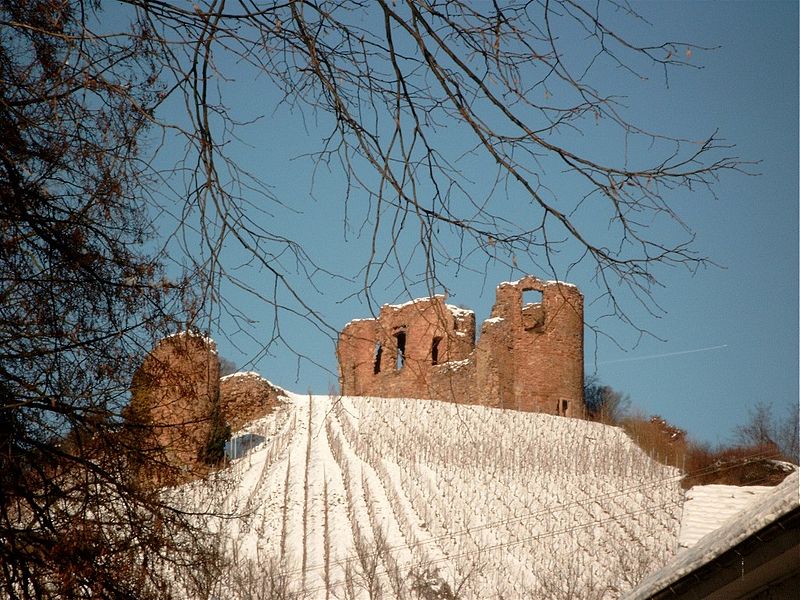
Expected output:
{"points": [[529, 356], [245, 397], [176, 391]]}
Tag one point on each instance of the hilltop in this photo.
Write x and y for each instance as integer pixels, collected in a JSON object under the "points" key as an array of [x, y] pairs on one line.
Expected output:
{"points": [[331, 497]]}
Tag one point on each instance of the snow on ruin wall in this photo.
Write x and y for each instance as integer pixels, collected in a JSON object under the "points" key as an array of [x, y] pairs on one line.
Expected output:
{"points": [[245, 397], [529, 355]]}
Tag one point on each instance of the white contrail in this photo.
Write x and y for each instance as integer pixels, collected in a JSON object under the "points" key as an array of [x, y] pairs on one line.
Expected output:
{"points": [[632, 358]]}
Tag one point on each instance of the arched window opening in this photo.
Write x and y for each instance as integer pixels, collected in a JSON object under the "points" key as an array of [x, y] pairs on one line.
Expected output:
{"points": [[400, 342], [376, 365], [435, 350]]}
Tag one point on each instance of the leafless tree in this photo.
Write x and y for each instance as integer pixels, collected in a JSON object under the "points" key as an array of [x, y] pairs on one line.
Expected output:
{"points": [[788, 434], [763, 429], [759, 429], [604, 403], [96, 95], [568, 581], [265, 580], [80, 297], [226, 367], [383, 80]]}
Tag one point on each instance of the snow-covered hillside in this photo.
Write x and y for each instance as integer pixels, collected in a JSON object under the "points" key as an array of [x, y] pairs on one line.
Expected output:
{"points": [[340, 495]]}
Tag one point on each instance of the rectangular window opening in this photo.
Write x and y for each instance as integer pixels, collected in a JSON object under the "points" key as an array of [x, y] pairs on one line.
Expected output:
{"points": [[562, 407], [533, 314], [400, 340], [376, 365], [531, 297], [435, 350]]}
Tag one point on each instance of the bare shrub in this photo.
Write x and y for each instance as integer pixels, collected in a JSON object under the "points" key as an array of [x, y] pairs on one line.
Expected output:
{"points": [[658, 438], [362, 572], [751, 462], [427, 584], [603, 403], [734, 465], [567, 580], [374, 573], [269, 580], [631, 562]]}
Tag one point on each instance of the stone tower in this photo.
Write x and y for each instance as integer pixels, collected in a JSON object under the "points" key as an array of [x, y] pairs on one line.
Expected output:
{"points": [[532, 352], [176, 394]]}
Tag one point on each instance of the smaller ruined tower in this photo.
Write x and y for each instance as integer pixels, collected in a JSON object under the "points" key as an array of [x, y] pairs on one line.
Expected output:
{"points": [[536, 346], [175, 395]]}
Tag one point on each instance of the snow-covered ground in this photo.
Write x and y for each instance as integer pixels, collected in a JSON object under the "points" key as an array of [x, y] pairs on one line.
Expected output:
{"points": [[392, 492], [707, 507]]}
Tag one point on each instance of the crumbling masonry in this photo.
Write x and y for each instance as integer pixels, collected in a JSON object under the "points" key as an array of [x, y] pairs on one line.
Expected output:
{"points": [[529, 355], [177, 394]]}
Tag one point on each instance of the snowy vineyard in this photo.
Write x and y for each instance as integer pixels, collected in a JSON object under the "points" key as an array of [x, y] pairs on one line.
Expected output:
{"points": [[372, 497]]}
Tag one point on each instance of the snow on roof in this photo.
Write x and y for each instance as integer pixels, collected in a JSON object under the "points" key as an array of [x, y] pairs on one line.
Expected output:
{"points": [[766, 509], [254, 375], [564, 283], [545, 283], [707, 507], [357, 321], [243, 374], [212, 345]]}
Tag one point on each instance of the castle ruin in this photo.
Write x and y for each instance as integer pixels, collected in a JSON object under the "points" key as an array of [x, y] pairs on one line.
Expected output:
{"points": [[529, 355]]}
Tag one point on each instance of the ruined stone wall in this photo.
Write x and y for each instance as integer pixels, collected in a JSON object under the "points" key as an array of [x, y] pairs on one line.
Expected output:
{"points": [[174, 393], [245, 397], [529, 355], [177, 394], [399, 352]]}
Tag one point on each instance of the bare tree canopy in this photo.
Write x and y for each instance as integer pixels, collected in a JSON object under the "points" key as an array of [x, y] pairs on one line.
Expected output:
{"points": [[115, 152], [382, 81]]}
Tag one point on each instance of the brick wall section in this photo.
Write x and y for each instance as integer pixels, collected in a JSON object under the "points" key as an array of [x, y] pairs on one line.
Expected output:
{"points": [[416, 335], [245, 397], [529, 356], [175, 391]]}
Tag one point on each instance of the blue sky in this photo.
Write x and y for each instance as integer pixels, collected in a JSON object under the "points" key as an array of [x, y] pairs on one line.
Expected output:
{"points": [[727, 336], [749, 90]]}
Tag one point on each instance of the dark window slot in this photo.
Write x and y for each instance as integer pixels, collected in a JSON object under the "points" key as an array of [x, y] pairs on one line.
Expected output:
{"points": [[376, 366], [435, 350], [400, 339]]}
